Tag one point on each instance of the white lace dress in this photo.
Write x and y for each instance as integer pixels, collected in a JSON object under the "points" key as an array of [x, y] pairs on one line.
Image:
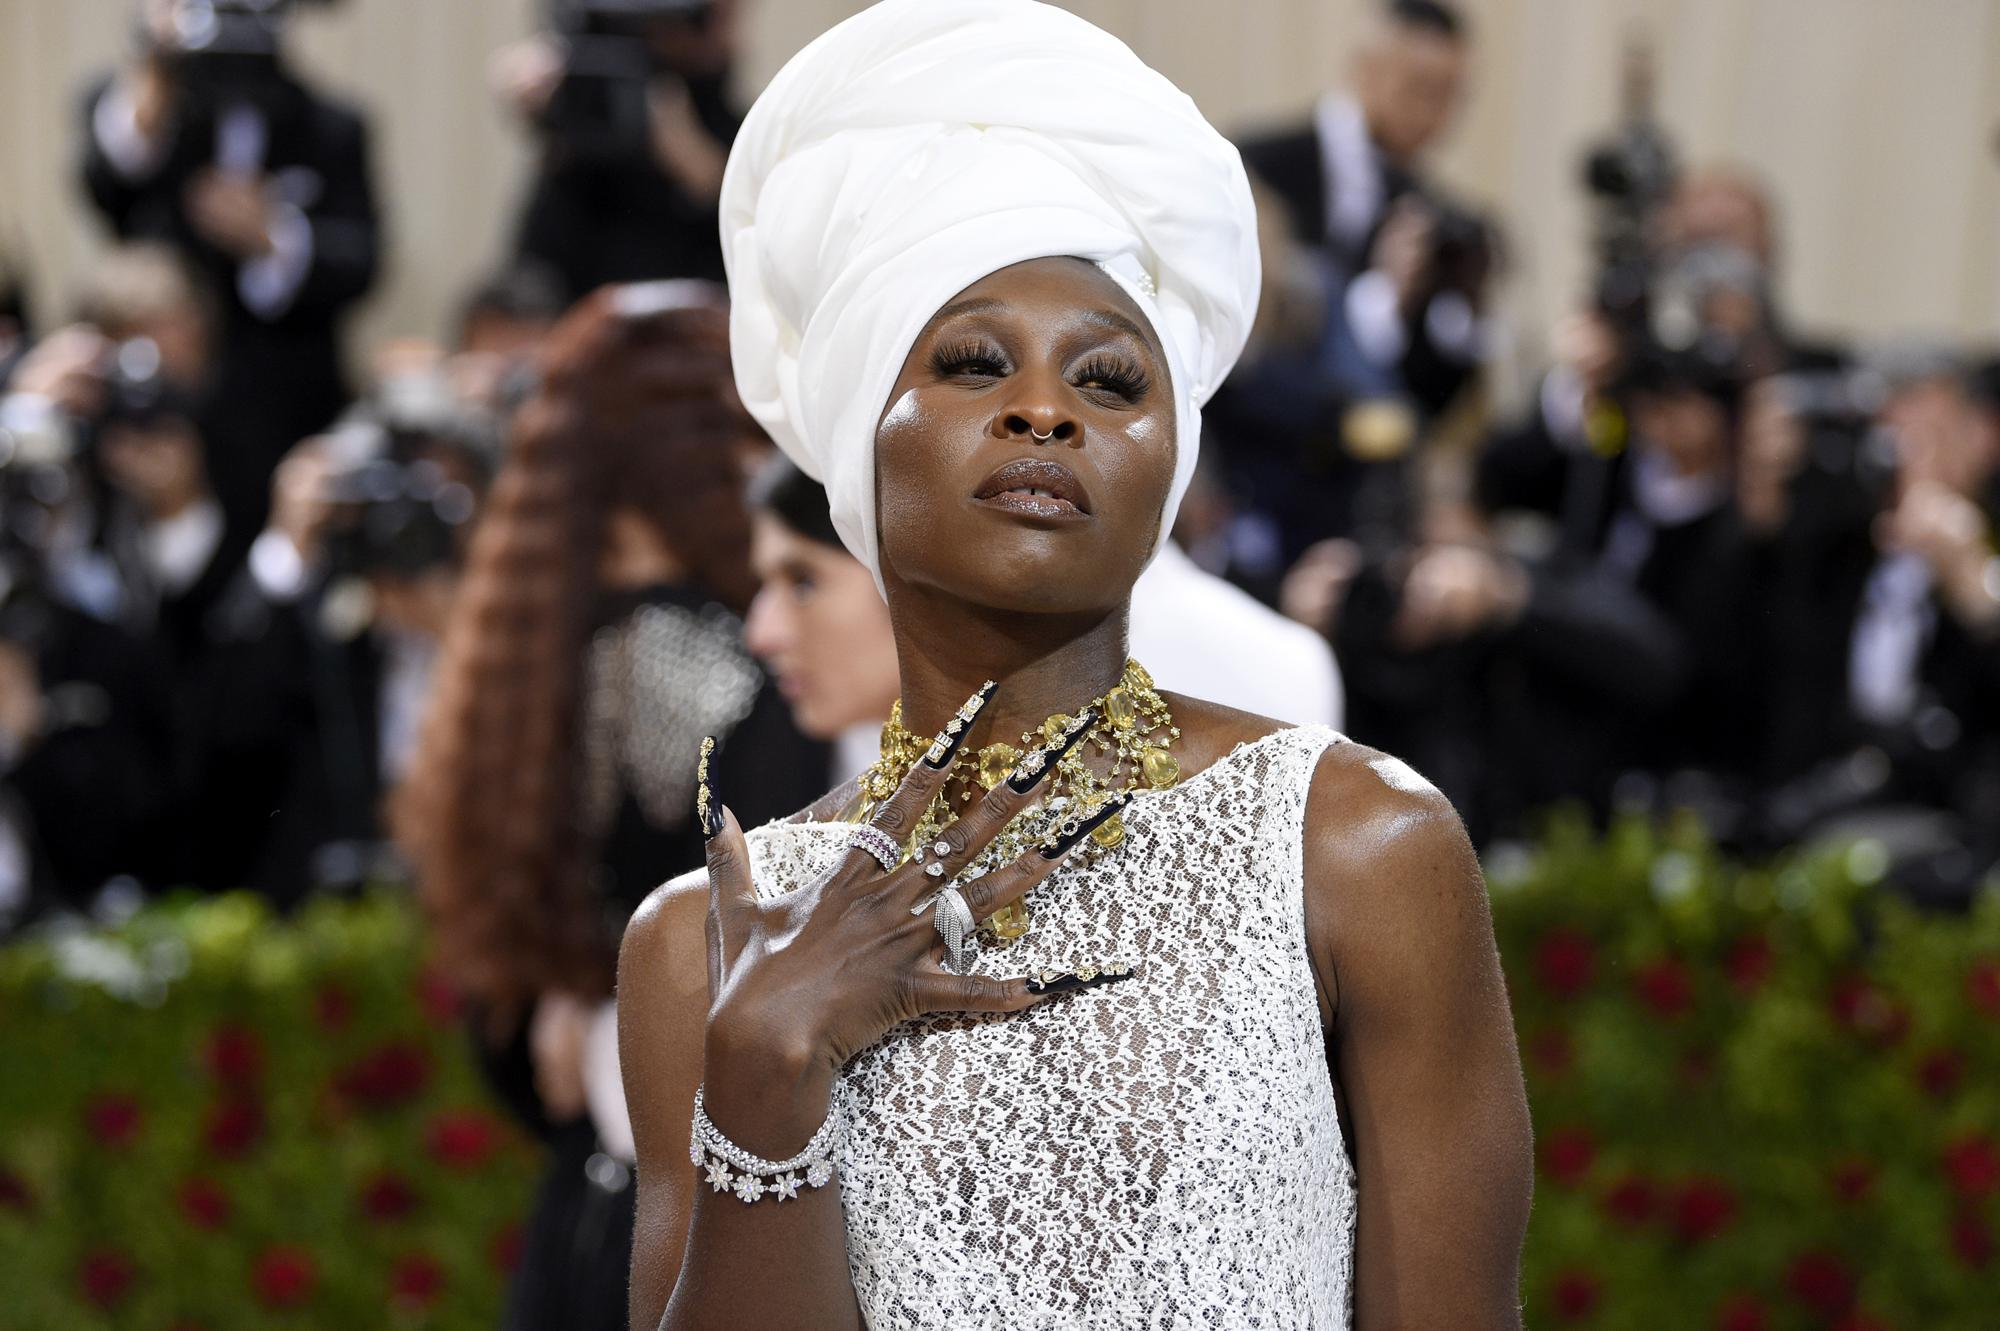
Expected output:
{"points": [[1162, 1152]]}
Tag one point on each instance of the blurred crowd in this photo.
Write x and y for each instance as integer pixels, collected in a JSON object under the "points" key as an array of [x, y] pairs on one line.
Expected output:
{"points": [[1714, 562], [266, 626]]}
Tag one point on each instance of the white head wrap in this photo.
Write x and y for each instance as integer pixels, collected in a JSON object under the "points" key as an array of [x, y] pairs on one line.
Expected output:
{"points": [[923, 144]]}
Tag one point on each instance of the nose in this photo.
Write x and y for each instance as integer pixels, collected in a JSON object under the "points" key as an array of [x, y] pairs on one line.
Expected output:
{"points": [[1036, 416]]}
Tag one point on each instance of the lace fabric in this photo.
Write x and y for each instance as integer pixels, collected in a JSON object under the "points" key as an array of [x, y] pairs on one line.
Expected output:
{"points": [[1161, 1153]]}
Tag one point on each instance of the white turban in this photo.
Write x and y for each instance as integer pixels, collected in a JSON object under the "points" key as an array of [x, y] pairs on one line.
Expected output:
{"points": [[923, 144]]}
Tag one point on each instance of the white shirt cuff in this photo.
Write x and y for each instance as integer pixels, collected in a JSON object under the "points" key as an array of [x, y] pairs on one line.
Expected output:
{"points": [[270, 282], [114, 123], [276, 567], [179, 548], [1374, 318], [1454, 328]]}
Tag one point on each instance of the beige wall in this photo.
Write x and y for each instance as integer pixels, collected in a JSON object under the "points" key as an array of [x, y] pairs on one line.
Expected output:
{"points": [[1876, 122]]}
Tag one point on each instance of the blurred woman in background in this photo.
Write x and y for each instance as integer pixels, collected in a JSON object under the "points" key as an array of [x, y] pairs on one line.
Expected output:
{"points": [[595, 642], [817, 623]]}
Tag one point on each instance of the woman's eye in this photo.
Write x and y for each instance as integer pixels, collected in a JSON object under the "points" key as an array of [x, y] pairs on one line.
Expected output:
{"points": [[1108, 375], [969, 359]]}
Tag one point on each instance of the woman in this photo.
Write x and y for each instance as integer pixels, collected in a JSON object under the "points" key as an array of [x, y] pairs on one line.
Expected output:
{"points": [[985, 267], [594, 639], [817, 622]]}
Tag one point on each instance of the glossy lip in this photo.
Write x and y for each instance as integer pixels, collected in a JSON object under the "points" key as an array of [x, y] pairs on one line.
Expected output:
{"points": [[1064, 497]]}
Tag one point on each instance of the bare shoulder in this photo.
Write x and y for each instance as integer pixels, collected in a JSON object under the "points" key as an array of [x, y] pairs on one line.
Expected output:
{"points": [[667, 936], [1392, 884], [1209, 730]]}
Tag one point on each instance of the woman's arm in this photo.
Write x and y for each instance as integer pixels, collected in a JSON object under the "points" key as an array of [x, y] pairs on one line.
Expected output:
{"points": [[663, 1008], [1426, 1058]]}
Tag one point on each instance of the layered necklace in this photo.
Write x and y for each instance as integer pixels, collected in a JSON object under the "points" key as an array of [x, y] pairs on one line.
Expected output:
{"points": [[1133, 729]]}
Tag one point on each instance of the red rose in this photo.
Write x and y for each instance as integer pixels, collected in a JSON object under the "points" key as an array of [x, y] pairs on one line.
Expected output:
{"points": [[232, 1128], [204, 1203], [1982, 986], [506, 1247], [234, 1056], [1973, 1165], [416, 1281], [333, 1007], [1851, 1179], [1741, 1312], [1564, 962], [1749, 963], [1550, 1054], [436, 997], [462, 1138], [1940, 1073], [1632, 1201], [114, 1120], [1971, 1240], [386, 1077], [284, 1276], [1575, 1295], [1567, 1155], [1666, 987], [388, 1197], [14, 1194], [1702, 1208], [106, 1276], [1822, 1282], [1863, 1008]]}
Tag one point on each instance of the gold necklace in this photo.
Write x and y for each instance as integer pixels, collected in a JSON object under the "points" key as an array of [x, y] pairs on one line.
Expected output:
{"points": [[1133, 726]]}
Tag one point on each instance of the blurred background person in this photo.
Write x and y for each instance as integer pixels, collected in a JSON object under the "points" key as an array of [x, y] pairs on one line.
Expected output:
{"points": [[817, 622], [1378, 285], [629, 101], [594, 643], [208, 141]]}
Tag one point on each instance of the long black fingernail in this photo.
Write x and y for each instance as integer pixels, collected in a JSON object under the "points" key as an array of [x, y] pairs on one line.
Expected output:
{"points": [[1083, 977], [1031, 769], [945, 747], [707, 808], [1069, 836]]}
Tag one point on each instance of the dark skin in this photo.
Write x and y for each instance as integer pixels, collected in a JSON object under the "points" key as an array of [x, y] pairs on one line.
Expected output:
{"points": [[764, 1002]]}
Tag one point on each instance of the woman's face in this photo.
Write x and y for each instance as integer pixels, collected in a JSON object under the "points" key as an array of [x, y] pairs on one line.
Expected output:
{"points": [[821, 629], [971, 502]]}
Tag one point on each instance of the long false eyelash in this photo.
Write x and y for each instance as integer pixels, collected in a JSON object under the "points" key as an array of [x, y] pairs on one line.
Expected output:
{"points": [[968, 356], [1121, 377]]}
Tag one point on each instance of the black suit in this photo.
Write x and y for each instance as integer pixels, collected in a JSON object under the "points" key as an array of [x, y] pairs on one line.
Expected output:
{"points": [[278, 376]]}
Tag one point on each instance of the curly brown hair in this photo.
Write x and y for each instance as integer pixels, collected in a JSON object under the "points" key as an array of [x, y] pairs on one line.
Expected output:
{"points": [[636, 410]]}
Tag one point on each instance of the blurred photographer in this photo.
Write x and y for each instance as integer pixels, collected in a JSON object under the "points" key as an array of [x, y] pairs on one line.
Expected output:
{"points": [[316, 691], [1886, 574], [1375, 304], [85, 719], [208, 141], [630, 101]]}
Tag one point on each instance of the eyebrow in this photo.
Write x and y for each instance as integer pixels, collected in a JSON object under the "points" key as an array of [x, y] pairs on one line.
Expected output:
{"points": [[1102, 318]]}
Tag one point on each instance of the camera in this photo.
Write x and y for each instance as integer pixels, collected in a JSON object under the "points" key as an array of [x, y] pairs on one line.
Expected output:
{"points": [[611, 55], [405, 483], [228, 50], [1630, 177]]}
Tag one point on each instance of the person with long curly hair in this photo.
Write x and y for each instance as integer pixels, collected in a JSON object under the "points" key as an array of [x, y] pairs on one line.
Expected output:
{"points": [[595, 639]]}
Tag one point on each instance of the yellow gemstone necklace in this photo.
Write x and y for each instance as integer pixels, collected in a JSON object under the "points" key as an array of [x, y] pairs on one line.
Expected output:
{"points": [[1133, 727]]}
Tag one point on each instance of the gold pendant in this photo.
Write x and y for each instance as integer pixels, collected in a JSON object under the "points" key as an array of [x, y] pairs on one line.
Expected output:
{"points": [[1009, 922]]}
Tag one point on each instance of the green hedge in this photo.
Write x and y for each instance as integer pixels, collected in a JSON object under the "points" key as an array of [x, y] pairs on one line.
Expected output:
{"points": [[212, 1120], [1765, 1100]]}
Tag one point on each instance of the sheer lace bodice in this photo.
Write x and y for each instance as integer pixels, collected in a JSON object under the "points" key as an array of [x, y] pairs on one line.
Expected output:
{"points": [[1163, 1152]]}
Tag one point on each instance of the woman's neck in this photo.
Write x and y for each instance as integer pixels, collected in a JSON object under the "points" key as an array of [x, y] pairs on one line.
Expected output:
{"points": [[1044, 664]]}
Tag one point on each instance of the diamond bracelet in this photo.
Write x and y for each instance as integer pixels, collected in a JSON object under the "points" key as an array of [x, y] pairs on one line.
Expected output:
{"points": [[755, 1176]]}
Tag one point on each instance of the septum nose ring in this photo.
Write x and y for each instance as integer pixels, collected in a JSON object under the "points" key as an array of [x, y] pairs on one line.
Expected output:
{"points": [[1039, 437]]}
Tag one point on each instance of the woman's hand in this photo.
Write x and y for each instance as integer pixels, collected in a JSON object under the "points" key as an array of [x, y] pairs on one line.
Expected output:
{"points": [[799, 985]]}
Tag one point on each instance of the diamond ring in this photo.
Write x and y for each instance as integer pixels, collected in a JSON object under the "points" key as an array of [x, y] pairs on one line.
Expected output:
{"points": [[954, 924], [877, 843]]}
